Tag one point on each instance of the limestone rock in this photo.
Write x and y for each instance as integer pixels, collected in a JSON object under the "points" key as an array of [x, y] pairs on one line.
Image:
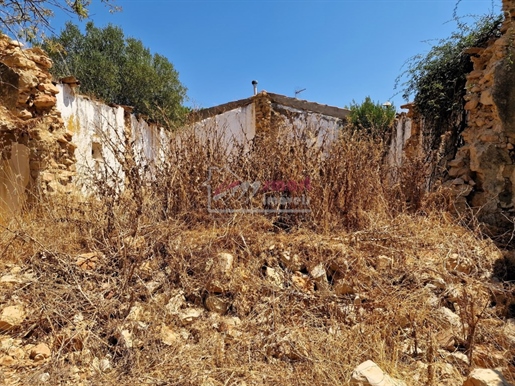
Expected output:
{"points": [[44, 101], [175, 303], [15, 43], [220, 268], [88, 261], [459, 358], [471, 104], [383, 262], [11, 317], [446, 340], [7, 360], [302, 282], [27, 80], [43, 61], [229, 326], [485, 377], [135, 313], [18, 60], [190, 315], [69, 80], [448, 318], [168, 336], [216, 304], [12, 279], [291, 261], [286, 346], [341, 288], [24, 114], [216, 287], [274, 277], [370, 374], [486, 98], [102, 365], [319, 275], [127, 338], [225, 262], [40, 352]]}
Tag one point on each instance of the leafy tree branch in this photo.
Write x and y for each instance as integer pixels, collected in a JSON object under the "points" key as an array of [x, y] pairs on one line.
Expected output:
{"points": [[29, 18]]}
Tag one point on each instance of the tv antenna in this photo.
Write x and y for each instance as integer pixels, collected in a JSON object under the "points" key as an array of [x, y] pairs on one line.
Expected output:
{"points": [[298, 91]]}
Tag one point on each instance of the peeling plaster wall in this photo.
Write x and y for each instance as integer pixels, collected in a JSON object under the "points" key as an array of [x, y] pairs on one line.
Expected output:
{"points": [[235, 126], [241, 124], [400, 136], [150, 145], [319, 128], [95, 129], [101, 134]]}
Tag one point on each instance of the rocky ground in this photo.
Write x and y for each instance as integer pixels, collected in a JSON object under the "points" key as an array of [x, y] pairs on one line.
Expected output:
{"points": [[416, 301]]}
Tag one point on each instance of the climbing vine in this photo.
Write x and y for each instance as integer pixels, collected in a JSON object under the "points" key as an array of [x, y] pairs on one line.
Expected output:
{"points": [[437, 79]]}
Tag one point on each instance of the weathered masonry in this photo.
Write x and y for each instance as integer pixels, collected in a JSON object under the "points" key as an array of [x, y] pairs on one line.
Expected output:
{"points": [[247, 119]]}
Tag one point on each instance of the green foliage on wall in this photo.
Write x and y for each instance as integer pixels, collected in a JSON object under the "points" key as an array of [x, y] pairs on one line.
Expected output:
{"points": [[120, 70], [437, 79]]}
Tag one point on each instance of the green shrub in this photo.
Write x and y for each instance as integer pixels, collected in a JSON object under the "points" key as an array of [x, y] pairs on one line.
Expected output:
{"points": [[371, 117]]}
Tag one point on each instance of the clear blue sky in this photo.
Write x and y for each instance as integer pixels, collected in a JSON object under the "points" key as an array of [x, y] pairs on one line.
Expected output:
{"points": [[339, 50]]}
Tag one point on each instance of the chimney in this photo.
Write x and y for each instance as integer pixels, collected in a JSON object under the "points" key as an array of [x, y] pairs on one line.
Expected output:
{"points": [[254, 83]]}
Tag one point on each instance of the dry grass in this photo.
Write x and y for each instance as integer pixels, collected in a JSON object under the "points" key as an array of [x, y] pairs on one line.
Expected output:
{"points": [[157, 257]]}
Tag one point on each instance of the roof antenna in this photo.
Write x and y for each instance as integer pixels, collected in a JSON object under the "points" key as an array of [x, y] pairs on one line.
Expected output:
{"points": [[297, 92], [255, 83]]}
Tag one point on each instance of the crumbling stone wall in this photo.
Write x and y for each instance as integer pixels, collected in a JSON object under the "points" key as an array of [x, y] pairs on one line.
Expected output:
{"points": [[36, 152], [484, 166], [480, 165]]}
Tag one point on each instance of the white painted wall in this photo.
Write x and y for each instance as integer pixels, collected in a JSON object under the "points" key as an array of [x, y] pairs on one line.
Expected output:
{"points": [[98, 132], [319, 128], [232, 127], [238, 125], [400, 135]]}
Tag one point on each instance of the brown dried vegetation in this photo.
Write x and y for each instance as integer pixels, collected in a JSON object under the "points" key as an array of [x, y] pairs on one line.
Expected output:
{"points": [[120, 286]]}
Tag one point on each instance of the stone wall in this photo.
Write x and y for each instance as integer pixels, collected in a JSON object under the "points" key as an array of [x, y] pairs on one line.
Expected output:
{"points": [[36, 150], [485, 165], [54, 140], [480, 165]]}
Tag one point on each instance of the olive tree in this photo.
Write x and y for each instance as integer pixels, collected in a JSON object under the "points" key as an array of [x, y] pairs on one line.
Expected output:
{"points": [[120, 70]]}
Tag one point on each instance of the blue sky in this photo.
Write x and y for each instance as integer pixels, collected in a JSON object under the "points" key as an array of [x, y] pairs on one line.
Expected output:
{"points": [[338, 50]]}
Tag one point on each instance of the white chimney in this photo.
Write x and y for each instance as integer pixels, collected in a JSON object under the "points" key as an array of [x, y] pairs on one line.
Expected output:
{"points": [[255, 83]]}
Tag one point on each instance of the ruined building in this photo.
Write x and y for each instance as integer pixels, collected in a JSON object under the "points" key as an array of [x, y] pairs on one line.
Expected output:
{"points": [[51, 138]]}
